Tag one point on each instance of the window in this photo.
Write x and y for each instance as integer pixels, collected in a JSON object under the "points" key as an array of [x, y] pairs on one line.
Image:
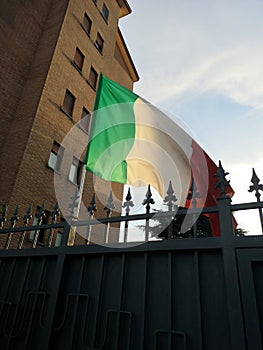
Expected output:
{"points": [[99, 43], [78, 59], [68, 104], [85, 119], [87, 23], [55, 156], [105, 12], [74, 171], [85, 113], [93, 77]]}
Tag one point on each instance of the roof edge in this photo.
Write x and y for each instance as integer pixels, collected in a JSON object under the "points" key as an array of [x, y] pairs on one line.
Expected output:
{"points": [[127, 57], [125, 8]]}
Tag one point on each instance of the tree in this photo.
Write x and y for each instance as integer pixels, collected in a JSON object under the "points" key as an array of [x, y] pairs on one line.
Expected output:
{"points": [[202, 227], [161, 228]]}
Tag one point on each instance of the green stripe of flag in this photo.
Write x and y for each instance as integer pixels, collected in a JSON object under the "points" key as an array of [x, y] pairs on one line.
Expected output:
{"points": [[112, 131]]}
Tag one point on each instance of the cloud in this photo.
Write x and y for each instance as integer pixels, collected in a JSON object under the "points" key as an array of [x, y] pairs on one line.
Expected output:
{"points": [[202, 60], [198, 46], [219, 124]]}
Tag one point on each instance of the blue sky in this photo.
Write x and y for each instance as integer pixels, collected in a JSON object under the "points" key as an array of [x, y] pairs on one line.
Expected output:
{"points": [[202, 61]]}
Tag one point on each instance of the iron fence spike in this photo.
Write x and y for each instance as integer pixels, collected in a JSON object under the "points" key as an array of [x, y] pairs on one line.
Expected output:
{"points": [[148, 200], [256, 185], [171, 198], [193, 193], [28, 215], [222, 182], [128, 203], [3, 216], [15, 217], [254, 179], [110, 204], [92, 208], [55, 212], [128, 197], [42, 214]]}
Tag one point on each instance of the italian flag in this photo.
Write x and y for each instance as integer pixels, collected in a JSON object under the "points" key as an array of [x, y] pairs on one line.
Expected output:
{"points": [[132, 142]]}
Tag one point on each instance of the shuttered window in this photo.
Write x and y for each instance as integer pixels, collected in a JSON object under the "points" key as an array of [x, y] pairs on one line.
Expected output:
{"points": [[74, 172], [85, 119], [105, 12], [79, 59], [93, 77], [68, 104], [99, 42], [55, 157], [87, 23]]}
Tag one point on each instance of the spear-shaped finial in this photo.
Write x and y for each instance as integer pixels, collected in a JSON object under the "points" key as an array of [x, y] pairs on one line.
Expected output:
{"points": [[148, 200], [170, 199], [55, 212], [92, 208], [3, 216], [129, 203], [110, 205], [15, 217], [41, 214], [222, 182], [28, 216], [256, 185], [13, 221], [193, 193], [54, 215]]}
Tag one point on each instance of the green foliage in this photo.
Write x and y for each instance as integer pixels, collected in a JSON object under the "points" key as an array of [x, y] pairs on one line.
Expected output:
{"points": [[201, 228], [162, 226], [240, 232]]}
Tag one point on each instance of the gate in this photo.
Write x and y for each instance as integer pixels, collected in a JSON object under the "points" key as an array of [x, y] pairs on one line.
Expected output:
{"points": [[175, 293]]}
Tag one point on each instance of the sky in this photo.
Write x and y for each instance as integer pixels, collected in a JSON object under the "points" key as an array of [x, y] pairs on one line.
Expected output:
{"points": [[202, 61]]}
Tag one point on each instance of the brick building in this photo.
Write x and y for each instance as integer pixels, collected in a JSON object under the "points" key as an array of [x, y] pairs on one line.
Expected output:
{"points": [[52, 52]]}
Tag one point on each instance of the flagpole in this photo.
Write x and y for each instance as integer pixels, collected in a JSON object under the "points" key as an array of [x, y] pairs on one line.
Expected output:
{"points": [[80, 191], [76, 210], [83, 177], [84, 170]]}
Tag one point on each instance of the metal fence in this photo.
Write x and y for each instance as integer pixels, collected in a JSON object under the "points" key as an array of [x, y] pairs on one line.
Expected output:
{"points": [[201, 292]]}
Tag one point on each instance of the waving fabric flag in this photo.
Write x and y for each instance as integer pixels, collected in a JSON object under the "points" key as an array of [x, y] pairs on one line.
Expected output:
{"points": [[132, 142]]}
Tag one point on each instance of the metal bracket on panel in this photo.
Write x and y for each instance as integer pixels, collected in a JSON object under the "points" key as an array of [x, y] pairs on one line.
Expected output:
{"points": [[21, 320], [70, 297], [5, 309], [172, 339], [117, 333]]}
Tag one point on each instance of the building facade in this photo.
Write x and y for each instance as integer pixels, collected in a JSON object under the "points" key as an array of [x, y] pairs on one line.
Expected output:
{"points": [[52, 52]]}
